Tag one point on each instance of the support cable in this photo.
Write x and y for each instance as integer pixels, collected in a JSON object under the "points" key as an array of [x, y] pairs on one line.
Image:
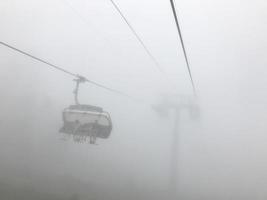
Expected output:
{"points": [[137, 36], [182, 43], [65, 71], [133, 31]]}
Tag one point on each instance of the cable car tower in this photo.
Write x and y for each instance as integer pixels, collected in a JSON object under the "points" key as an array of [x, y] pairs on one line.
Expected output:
{"points": [[176, 103]]}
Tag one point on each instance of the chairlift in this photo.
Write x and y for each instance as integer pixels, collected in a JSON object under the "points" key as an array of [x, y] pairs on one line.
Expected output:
{"points": [[85, 121]]}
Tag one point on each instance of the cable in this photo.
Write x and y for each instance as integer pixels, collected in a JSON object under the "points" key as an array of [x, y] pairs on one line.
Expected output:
{"points": [[137, 36], [132, 29], [86, 22], [109, 89], [38, 59], [143, 44], [65, 71], [183, 46]]}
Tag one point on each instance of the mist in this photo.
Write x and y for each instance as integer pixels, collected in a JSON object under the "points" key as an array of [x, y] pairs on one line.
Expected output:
{"points": [[219, 155]]}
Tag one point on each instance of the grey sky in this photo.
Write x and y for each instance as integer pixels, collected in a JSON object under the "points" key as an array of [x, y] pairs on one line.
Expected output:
{"points": [[222, 156]]}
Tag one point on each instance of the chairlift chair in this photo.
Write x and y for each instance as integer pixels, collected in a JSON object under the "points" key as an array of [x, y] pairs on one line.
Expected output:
{"points": [[85, 121]]}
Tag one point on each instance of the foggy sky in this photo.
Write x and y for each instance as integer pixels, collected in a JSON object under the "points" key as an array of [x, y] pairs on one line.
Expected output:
{"points": [[221, 156]]}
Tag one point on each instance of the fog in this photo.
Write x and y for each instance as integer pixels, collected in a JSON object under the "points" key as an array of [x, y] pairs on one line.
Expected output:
{"points": [[221, 155]]}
